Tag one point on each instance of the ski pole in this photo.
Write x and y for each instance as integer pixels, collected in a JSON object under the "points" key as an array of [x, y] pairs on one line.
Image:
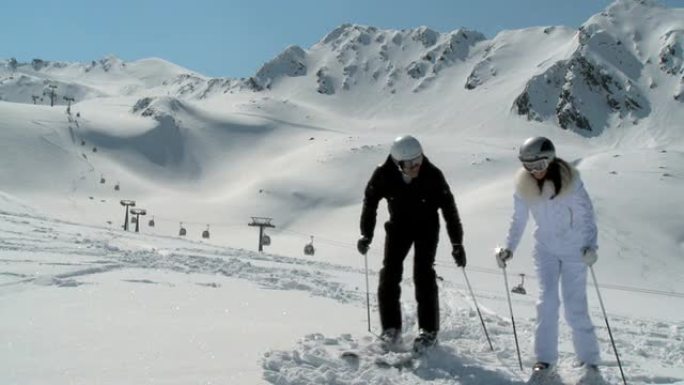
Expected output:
{"points": [[365, 259], [605, 317], [510, 307], [478, 308]]}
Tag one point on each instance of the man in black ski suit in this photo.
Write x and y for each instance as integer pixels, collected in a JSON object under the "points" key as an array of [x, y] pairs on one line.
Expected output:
{"points": [[414, 189]]}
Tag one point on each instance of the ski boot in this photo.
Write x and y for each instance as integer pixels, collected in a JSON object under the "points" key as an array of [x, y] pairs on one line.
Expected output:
{"points": [[591, 375], [390, 339], [424, 341], [542, 373]]}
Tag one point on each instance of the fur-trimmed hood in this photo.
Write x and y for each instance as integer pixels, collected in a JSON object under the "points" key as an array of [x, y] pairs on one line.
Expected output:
{"points": [[527, 187]]}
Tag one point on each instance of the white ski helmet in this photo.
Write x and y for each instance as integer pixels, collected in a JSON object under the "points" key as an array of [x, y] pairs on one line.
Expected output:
{"points": [[536, 148], [405, 147]]}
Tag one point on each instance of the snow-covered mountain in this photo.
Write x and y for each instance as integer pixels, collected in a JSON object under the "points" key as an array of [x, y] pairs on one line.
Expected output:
{"points": [[617, 60], [352, 55], [610, 72], [275, 142], [297, 142], [149, 123]]}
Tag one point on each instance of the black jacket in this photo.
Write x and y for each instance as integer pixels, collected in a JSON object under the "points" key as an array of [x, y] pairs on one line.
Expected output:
{"points": [[412, 206]]}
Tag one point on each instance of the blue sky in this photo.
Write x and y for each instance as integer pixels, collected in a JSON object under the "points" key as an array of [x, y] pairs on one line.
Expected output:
{"points": [[234, 38]]}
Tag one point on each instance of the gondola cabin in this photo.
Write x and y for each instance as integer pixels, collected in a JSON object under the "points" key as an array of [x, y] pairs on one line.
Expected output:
{"points": [[309, 248]]}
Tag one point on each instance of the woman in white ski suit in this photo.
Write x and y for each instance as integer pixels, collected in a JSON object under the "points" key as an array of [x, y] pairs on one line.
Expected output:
{"points": [[565, 243]]}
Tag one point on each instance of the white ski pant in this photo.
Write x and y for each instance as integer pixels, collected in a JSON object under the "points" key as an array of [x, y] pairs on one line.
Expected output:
{"points": [[572, 274]]}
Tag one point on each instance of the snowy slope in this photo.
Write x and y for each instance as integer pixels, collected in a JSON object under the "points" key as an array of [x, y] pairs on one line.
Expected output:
{"points": [[297, 142], [87, 304]]}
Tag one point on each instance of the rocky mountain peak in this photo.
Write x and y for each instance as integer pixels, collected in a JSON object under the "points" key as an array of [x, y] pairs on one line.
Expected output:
{"points": [[353, 55]]}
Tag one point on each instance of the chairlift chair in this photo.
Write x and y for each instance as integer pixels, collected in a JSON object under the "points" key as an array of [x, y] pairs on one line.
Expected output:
{"points": [[309, 248], [182, 230], [151, 222], [265, 240], [205, 233], [116, 187], [520, 289], [102, 179]]}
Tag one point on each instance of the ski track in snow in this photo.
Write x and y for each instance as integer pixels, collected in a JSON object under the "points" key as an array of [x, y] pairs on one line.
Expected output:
{"points": [[462, 357]]}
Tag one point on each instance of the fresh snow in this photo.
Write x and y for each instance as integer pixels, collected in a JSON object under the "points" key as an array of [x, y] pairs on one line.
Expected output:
{"points": [[84, 302]]}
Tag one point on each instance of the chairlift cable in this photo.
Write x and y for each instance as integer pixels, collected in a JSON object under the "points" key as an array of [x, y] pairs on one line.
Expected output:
{"points": [[480, 269]]}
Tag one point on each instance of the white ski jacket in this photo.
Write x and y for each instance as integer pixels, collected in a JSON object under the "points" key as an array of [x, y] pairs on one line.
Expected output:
{"points": [[565, 223]]}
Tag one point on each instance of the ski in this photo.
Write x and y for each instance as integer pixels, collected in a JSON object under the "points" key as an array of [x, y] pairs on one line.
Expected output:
{"points": [[552, 377], [406, 360], [591, 376], [551, 380], [545, 376], [391, 354], [372, 349], [399, 359], [383, 356]]}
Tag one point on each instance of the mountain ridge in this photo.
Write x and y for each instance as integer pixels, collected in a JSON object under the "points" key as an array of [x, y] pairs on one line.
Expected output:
{"points": [[587, 80]]}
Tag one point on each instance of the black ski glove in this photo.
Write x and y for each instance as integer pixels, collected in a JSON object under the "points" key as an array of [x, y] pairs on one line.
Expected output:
{"points": [[459, 255], [363, 245]]}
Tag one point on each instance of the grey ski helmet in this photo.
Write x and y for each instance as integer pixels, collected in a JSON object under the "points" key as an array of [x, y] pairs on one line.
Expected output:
{"points": [[405, 147], [536, 148]]}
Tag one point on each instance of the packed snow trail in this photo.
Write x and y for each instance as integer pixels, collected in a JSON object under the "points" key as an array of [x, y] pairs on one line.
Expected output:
{"points": [[31, 246]]}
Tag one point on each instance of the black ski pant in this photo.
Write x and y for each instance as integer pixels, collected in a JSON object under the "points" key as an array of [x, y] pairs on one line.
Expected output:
{"points": [[398, 242]]}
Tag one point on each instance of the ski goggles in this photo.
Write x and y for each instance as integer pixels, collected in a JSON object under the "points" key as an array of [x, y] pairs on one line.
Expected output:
{"points": [[536, 165], [406, 164]]}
